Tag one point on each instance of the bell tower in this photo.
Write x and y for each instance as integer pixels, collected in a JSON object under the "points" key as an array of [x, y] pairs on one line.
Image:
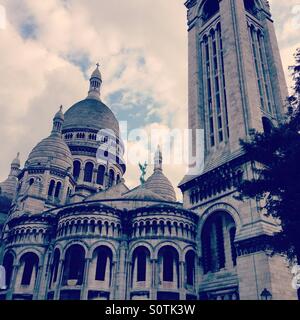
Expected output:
{"points": [[236, 79], [236, 83]]}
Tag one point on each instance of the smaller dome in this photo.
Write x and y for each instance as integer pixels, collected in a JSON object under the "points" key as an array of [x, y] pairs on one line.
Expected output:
{"points": [[161, 185], [52, 149], [141, 193], [9, 187], [158, 182]]}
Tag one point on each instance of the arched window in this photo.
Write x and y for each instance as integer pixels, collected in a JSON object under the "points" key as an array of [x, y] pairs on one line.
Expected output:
{"points": [[30, 262], [51, 188], [251, 7], [104, 264], [8, 263], [140, 261], [54, 266], [100, 175], [76, 169], [111, 178], [169, 263], [57, 190], [31, 181], [210, 8], [88, 172], [74, 265], [190, 268], [218, 242]]}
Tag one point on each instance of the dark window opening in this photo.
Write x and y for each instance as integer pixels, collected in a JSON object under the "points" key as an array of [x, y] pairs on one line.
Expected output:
{"points": [[104, 261], [76, 169], [51, 188], [100, 175], [210, 8], [57, 190], [190, 268], [30, 261], [74, 265], [88, 172]]}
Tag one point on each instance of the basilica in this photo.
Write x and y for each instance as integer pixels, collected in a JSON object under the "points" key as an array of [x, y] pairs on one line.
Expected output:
{"points": [[71, 229]]}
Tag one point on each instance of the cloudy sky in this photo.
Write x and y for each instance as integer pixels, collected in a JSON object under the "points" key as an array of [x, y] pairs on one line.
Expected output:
{"points": [[49, 48]]}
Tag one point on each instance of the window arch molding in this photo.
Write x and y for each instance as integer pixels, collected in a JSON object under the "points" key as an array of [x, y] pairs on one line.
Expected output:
{"points": [[168, 262], [218, 250], [30, 262], [168, 244], [70, 244], [89, 168], [77, 167], [253, 7], [74, 264], [102, 256], [208, 9], [220, 207], [140, 259], [91, 250], [147, 245]]}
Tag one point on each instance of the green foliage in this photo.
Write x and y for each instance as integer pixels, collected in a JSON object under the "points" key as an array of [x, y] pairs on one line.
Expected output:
{"points": [[277, 173]]}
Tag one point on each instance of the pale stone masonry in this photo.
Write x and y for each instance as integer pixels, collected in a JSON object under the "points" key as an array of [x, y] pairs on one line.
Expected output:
{"points": [[73, 230], [253, 96]]}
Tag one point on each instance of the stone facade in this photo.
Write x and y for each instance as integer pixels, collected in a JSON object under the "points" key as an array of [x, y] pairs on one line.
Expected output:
{"points": [[234, 69], [75, 231]]}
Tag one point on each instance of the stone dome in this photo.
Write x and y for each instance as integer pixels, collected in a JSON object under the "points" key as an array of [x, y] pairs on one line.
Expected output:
{"points": [[51, 150], [158, 182], [90, 113], [161, 185], [141, 193], [9, 186]]}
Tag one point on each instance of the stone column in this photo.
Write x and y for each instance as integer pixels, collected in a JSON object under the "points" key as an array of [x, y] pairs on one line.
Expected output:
{"points": [[13, 282], [94, 179], [154, 278], [59, 279], [121, 277], [182, 280], [81, 175], [131, 277], [113, 281], [37, 283], [85, 285]]}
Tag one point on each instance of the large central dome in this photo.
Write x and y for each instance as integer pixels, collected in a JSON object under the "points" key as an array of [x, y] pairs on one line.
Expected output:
{"points": [[90, 113]]}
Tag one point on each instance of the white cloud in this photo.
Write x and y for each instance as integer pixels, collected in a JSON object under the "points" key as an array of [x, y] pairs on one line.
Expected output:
{"points": [[37, 74]]}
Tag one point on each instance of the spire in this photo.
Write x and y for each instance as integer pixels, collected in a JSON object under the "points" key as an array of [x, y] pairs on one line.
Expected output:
{"points": [[58, 121], [158, 160], [95, 84], [15, 165]]}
